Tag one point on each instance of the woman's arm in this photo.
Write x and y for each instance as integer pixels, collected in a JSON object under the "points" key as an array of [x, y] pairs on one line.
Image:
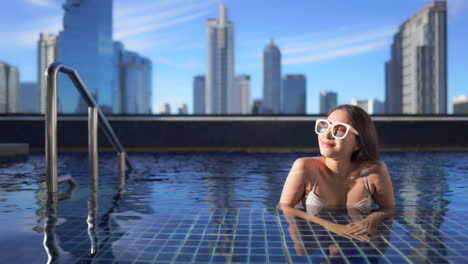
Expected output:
{"points": [[381, 186], [293, 191], [382, 194], [341, 230], [294, 186]]}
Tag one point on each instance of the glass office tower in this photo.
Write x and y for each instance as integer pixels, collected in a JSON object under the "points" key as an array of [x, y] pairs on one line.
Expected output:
{"points": [[294, 94], [272, 78], [86, 45], [199, 95], [328, 101]]}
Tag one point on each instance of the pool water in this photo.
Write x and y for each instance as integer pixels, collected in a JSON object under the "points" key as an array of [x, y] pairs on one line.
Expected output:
{"points": [[215, 207]]}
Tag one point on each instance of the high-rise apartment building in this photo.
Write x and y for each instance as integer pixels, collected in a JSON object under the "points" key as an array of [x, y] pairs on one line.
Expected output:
{"points": [[328, 101], [393, 84], [29, 93], [199, 95], [9, 88], [294, 94], [86, 45], [460, 105], [220, 63], [46, 54], [243, 88], [371, 106], [418, 67], [272, 78]]}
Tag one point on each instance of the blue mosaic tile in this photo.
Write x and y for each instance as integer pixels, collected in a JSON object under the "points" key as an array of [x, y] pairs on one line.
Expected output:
{"points": [[257, 259]]}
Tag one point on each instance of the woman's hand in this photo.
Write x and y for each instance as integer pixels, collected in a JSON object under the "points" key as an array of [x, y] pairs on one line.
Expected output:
{"points": [[364, 227], [344, 230]]}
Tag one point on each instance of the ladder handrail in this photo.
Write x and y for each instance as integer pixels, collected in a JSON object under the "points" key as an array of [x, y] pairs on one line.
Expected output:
{"points": [[51, 119]]}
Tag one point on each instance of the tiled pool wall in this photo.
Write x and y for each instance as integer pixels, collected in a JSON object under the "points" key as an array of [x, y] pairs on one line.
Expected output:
{"points": [[159, 133]]}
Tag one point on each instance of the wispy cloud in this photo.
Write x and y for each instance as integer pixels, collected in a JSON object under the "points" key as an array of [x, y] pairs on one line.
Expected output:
{"points": [[294, 47], [341, 52], [123, 8], [157, 26], [44, 3], [162, 42], [159, 16]]}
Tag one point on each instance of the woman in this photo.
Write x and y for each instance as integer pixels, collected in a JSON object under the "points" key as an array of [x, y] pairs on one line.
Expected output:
{"points": [[348, 174]]}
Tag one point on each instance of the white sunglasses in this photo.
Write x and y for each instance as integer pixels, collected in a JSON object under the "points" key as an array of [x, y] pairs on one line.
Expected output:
{"points": [[339, 130]]}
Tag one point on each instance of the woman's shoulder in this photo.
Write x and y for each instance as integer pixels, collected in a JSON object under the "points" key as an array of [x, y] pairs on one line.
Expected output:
{"points": [[306, 162], [375, 167], [377, 171]]}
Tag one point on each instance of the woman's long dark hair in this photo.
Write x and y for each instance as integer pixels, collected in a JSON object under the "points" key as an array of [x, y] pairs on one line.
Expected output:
{"points": [[368, 141]]}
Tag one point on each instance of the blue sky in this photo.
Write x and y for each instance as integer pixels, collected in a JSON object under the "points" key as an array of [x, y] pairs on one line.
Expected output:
{"points": [[338, 45]]}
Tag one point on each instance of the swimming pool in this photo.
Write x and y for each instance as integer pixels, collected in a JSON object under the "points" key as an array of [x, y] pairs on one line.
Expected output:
{"points": [[215, 207]]}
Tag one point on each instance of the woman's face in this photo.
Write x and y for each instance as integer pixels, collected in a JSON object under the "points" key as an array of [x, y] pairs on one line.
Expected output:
{"points": [[338, 148]]}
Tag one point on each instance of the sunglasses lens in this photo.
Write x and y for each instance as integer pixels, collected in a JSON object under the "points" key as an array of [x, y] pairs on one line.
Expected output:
{"points": [[321, 127], [339, 131]]}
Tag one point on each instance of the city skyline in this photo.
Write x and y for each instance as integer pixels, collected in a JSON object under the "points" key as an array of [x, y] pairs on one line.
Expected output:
{"points": [[324, 42]]}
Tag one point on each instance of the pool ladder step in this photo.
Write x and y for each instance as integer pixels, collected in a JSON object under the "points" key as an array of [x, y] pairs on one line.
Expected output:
{"points": [[67, 178]]}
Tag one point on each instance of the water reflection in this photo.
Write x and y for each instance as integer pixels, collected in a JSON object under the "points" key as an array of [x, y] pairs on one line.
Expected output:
{"points": [[69, 226], [422, 189], [92, 214], [50, 243], [311, 239], [224, 211], [220, 181]]}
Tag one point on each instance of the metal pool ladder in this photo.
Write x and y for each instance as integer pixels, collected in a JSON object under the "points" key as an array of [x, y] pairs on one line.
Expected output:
{"points": [[93, 113]]}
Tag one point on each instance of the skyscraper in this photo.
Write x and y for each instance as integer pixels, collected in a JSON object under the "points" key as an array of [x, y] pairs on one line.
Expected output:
{"points": [[220, 63], [294, 94], [418, 67], [9, 88], [46, 54], [135, 83], [199, 95], [393, 81], [272, 78], [28, 100], [116, 82], [243, 87], [328, 100], [86, 45]]}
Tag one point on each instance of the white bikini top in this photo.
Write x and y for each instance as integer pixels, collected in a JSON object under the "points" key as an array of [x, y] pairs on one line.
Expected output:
{"points": [[314, 203]]}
